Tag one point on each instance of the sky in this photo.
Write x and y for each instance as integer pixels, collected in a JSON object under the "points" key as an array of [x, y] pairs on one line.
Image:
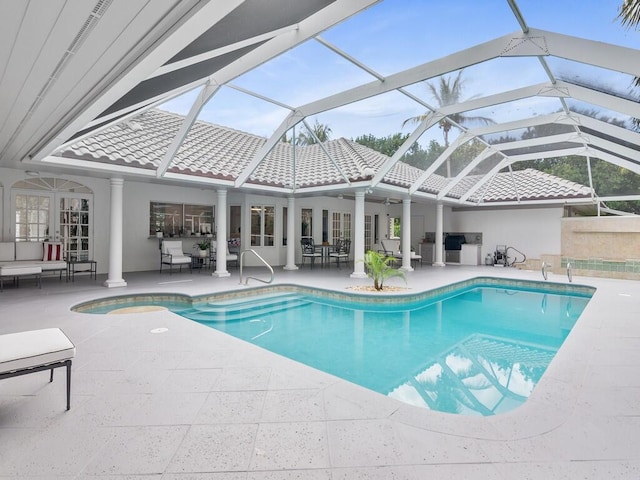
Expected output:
{"points": [[398, 34]]}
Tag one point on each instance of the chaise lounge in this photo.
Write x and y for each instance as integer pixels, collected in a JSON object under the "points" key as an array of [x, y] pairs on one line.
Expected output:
{"points": [[34, 351]]}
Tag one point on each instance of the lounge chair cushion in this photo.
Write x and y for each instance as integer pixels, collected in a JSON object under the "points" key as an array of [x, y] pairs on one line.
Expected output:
{"points": [[7, 251], [28, 251], [23, 350]]}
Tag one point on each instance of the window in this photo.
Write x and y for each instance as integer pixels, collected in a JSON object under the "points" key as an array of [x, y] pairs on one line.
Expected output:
{"points": [[177, 219], [198, 219], [235, 223], [284, 226], [394, 227], [341, 226], [367, 233], [32, 217], [376, 228], [262, 226], [307, 223], [325, 226]]}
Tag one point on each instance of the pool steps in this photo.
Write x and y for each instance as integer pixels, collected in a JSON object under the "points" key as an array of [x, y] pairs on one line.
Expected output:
{"points": [[234, 310]]}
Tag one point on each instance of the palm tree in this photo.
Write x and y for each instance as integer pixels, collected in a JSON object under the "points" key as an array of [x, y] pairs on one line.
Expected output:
{"points": [[322, 133], [629, 16], [379, 267], [448, 93]]}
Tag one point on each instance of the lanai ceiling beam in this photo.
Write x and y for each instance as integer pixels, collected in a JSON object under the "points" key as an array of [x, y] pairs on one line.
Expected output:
{"points": [[486, 153], [292, 119], [430, 170], [186, 29], [427, 123], [187, 123], [329, 156], [305, 29]]}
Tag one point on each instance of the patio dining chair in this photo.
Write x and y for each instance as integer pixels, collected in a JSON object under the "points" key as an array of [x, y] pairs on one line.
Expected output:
{"points": [[341, 251], [309, 250]]}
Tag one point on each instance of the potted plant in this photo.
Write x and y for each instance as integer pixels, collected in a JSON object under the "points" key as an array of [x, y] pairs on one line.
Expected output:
{"points": [[202, 248], [379, 267]]}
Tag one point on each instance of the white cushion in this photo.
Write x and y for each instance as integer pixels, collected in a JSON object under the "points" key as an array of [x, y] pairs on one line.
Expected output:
{"points": [[14, 270], [175, 251], [7, 251], [28, 251], [52, 265], [30, 349], [180, 260], [169, 244]]}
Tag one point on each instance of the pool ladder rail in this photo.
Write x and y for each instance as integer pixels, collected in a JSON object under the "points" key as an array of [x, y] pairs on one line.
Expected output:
{"points": [[266, 264], [546, 266]]}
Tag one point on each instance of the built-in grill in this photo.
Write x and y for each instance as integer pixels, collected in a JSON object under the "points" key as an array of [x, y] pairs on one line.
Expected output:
{"points": [[452, 247]]}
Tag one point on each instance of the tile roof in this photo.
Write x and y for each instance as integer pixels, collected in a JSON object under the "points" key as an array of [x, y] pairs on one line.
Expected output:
{"points": [[223, 153]]}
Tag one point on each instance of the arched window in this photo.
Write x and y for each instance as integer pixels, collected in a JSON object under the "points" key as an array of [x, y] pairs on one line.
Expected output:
{"points": [[54, 209]]}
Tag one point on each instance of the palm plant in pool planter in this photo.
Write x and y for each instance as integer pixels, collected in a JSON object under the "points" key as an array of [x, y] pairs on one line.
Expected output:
{"points": [[379, 267]]}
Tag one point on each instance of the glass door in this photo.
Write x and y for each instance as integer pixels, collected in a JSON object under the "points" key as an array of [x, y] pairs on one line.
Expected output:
{"points": [[367, 233], [74, 226], [340, 226]]}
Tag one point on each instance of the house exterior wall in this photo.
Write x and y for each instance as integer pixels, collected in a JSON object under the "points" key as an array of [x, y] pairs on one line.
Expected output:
{"points": [[534, 231], [101, 209]]}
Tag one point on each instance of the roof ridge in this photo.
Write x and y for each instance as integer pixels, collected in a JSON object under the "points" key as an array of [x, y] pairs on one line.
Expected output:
{"points": [[366, 169]]}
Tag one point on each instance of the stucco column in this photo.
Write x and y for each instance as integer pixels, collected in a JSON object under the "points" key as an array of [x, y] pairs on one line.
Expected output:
{"points": [[439, 235], [221, 235], [406, 235], [358, 237], [114, 277], [291, 234]]}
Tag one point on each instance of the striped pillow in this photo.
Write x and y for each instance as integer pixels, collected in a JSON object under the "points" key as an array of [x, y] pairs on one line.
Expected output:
{"points": [[52, 251]]}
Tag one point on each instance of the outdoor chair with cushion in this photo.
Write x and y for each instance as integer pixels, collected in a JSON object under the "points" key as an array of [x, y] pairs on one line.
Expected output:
{"points": [[231, 257], [310, 251], [391, 248], [34, 351], [171, 254]]}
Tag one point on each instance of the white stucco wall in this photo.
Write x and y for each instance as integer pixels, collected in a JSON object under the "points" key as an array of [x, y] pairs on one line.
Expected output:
{"points": [[140, 252], [533, 231]]}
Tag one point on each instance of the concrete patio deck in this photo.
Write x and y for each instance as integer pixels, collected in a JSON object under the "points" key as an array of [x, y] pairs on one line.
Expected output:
{"points": [[194, 403]]}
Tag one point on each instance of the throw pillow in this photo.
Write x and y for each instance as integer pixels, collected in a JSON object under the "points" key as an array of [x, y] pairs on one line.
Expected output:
{"points": [[52, 252]]}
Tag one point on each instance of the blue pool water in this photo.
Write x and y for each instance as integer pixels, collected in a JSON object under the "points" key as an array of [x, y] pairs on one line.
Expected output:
{"points": [[477, 351], [475, 348]]}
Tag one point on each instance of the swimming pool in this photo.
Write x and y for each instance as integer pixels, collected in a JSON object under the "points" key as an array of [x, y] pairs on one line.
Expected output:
{"points": [[475, 348]]}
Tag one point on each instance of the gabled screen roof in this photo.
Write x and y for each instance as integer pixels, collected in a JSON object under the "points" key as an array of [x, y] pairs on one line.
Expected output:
{"points": [[465, 89]]}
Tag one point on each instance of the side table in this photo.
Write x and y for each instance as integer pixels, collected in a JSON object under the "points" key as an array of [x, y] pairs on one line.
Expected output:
{"points": [[71, 267]]}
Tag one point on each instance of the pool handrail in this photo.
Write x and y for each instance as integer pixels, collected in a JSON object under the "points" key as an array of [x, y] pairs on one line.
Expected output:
{"points": [[251, 250], [544, 269]]}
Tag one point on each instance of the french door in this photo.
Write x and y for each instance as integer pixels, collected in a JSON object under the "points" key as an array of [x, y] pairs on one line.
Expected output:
{"points": [[54, 216], [340, 226], [368, 243]]}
